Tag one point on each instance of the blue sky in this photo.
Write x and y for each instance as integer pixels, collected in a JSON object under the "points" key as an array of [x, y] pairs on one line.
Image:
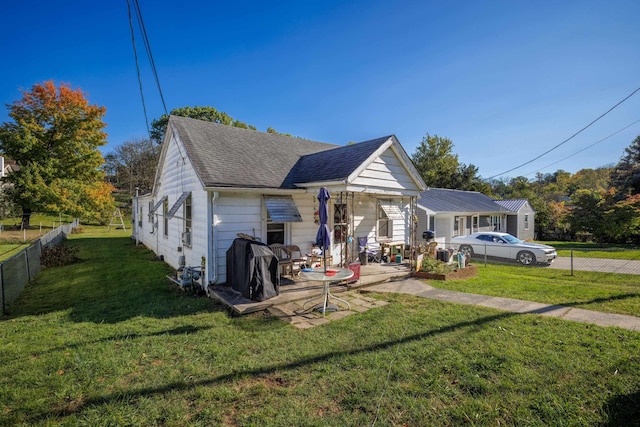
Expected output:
{"points": [[504, 80]]}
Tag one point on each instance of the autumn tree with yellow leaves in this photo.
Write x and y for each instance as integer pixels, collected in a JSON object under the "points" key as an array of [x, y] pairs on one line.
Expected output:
{"points": [[54, 137]]}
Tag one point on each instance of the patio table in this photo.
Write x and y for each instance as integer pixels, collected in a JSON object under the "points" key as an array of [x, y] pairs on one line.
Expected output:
{"points": [[317, 274]]}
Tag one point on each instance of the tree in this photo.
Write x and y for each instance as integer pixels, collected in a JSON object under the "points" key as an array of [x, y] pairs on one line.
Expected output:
{"points": [[207, 114], [440, 168], [54, 139], [626, 174], [133, 164], [587, 214]]}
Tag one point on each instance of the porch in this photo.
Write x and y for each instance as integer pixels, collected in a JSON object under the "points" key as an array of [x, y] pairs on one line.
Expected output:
{"points": [[294, 291]]}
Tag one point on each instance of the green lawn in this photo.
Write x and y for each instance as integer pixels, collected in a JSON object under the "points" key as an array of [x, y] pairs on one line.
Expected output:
{"points": [[596, 250], [110, 341], [606, 292], [13, 239]]}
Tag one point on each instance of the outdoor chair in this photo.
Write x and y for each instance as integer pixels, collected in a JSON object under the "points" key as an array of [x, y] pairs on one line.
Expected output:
{"points": [[285, 262], [372, 251], [297, 259]]}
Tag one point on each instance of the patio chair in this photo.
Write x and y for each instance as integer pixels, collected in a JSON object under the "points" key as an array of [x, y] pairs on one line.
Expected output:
{"points": [[297, 259], [285, 261], [372, 251]]}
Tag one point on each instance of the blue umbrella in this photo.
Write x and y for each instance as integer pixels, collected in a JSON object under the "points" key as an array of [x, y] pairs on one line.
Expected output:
{"points": [[323, 238]]}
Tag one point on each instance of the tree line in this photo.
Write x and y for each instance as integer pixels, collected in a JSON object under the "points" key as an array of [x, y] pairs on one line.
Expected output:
{"points": [[601, 205], [54, 136]]}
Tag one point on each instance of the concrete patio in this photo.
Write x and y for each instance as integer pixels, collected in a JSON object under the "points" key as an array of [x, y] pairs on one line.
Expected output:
{"points": [[289, 304]]}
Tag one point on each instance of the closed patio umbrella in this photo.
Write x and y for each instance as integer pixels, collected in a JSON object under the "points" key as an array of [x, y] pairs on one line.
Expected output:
{"points": [[323, 237]]}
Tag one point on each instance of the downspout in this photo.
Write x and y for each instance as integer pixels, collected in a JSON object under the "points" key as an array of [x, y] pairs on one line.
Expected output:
{"points": [[213, 260]]}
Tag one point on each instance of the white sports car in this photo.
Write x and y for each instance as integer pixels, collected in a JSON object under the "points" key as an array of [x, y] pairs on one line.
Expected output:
{"points": [[504, 245]]}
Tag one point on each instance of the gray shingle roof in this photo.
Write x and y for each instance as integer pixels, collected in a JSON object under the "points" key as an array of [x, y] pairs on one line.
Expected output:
{"points": [[444, 200], [225, 156], [332, 165]]}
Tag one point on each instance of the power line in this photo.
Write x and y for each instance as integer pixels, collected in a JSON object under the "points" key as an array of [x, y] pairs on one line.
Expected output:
{"points": [[135, 54], [570, 138], [585, 148], [145, 40]]}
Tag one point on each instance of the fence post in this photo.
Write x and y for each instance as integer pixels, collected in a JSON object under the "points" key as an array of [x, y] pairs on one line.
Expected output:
{"points": [[2, 285], [571, 256], [485, 254]]}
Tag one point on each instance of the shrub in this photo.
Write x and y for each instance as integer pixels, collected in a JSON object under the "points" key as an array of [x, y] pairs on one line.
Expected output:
{"points": [[58, 256], [431, 265]]}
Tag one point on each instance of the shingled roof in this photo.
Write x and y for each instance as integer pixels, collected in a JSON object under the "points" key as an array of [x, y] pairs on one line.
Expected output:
{"points": [[226, 156], [332, 165], [445, 200]]}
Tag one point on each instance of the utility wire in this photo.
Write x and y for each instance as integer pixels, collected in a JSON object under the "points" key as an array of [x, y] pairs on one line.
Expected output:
{"points": [[145, 40], [135, 54], [568, 139], [585, 148]]}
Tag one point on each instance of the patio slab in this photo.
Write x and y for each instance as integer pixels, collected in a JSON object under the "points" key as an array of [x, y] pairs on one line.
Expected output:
{"points": [[298, 290]]}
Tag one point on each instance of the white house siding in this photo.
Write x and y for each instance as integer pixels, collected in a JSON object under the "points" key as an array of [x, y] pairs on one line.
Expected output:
{"points": [[387, 174], [177, 176]]}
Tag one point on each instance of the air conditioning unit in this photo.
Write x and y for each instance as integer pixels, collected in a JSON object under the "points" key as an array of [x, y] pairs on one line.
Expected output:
{"points": [[186, 239]]}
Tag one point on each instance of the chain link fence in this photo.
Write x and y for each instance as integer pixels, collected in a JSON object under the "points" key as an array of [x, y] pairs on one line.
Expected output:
{"points": [[17, 271]]}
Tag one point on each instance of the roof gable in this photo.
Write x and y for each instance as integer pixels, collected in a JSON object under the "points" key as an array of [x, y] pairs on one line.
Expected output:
{"points": [[332, 165], [445, 200]]}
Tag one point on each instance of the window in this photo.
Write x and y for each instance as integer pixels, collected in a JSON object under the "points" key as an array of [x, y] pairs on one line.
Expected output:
{"points": [[384, 223], [339, 222], [187, 221], [140, 217], [165, 212], [526, 221], [458, 226], [275, 233], [496, 222]]}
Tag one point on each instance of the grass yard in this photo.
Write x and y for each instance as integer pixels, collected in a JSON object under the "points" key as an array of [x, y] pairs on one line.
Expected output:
{"points": [[13, 239], [596, 250], [606, 292], [110, 341]]}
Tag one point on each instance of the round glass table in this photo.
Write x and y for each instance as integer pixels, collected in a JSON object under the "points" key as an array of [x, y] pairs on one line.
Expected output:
{"points": [[318, 275]]}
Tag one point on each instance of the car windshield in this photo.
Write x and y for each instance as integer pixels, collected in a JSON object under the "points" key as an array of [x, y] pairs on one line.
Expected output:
{"points": [[512, 240]]}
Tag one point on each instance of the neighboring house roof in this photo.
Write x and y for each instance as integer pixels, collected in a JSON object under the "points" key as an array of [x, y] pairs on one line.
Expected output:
{"points": [[512, 205], [226, 156], [442, 200]]}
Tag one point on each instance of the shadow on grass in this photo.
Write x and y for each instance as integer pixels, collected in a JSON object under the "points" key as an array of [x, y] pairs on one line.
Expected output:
{"points": [[553, 307], [181, 330], [623, 410], [114, 280], [181, 386]]}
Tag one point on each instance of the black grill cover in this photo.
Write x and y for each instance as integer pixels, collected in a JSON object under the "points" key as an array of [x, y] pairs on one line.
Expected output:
{"points": [[252, 270]]}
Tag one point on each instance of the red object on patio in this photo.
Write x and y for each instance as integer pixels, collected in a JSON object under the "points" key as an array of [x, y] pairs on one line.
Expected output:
{"points": [[355, 267]]}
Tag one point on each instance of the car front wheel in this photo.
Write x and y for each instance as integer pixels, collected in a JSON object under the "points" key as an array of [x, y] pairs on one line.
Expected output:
{"points": [[526, 258], [466, 249]]}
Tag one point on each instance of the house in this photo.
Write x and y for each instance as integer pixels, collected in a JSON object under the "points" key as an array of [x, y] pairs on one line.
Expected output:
{"points": [[215, 182], [520, 219], [450, 213]]}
